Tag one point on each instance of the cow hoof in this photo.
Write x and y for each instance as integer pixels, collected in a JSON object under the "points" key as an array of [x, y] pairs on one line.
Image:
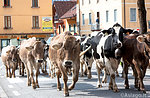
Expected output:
{"points": [[116, 90], [89, 77], [117, 75], [71, 87], [136, 86], [104, 81], [29, 84], [81, 75], [126, 87], [144, 91], [66, 94], [46, 73], [34, 87], [99, 86], [59, 89]]}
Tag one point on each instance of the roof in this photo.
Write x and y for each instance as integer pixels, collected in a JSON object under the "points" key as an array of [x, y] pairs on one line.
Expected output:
{"points": [[70, 13], [63, 8]]}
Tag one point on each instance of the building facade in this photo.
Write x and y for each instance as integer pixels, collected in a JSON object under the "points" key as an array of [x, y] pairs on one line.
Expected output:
{"points": [[64, 13], [21, 19], [102, 14]]}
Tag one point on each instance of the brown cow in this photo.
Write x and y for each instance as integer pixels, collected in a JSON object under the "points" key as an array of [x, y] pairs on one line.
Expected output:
{"points": [[64, 53], [31, 53], [136, 52], [9, 59]]}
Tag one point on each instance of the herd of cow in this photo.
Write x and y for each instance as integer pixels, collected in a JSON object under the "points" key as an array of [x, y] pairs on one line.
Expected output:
{"points": [[67, 54]]}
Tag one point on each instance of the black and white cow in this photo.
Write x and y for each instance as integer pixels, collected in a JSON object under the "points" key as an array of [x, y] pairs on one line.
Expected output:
{"points": [[86, 59], [44, 65], [104, 46]]}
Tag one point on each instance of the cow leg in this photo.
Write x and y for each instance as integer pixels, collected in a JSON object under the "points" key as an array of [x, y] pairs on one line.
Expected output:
{"points": [[117, 74], [140, 76], [6, 71], [85, 71], [10, 75], [19, 64], [89, 68], [75, 78], [125, 68], [112, 79], [22, 68], [65, 79], [28, 76], [36, 75], [81, 63], [58, 81], [30, 67], [45, 67], [135, 75], [99, 85], [104, 80]]}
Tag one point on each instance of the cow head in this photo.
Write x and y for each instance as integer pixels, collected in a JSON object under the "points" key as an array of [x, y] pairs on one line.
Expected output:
{"points": [[145, 39], [37, 51], [12, 53], [68, 50]]}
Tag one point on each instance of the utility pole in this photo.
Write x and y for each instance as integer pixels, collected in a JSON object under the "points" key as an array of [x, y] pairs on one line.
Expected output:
{"points": [[142, 16]]}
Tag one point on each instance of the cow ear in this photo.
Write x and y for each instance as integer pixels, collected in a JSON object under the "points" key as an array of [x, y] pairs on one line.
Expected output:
{"points": [[29, 48], [140, 39], [57, 46]]}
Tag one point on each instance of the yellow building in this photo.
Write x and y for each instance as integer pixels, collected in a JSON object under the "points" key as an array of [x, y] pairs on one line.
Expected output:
{"points": [[109, 12], [24, 19]]}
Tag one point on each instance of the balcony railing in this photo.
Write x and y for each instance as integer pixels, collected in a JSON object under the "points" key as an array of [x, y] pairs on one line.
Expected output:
{"points": [[95, 27]]}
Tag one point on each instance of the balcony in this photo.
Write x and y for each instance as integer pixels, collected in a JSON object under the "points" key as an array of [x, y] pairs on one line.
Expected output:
{"points": [[95, 27]]}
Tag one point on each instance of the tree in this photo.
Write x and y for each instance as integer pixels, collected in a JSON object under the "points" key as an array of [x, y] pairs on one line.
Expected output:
{"points": [[142, 16]]}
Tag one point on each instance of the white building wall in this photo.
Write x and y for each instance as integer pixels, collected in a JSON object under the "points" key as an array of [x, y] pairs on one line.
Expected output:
{"points": [[110, 5], [101, 7]]}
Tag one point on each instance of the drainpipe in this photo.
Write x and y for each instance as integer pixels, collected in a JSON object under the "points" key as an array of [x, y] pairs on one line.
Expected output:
{"points": [[124, 15], [79, 19]]}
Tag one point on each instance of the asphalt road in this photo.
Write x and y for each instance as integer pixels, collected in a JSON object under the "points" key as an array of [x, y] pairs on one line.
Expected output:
{"points": [[85, 88]]}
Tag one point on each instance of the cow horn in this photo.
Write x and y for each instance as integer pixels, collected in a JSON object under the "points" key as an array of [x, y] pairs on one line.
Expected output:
{"points": [[82, 53]]}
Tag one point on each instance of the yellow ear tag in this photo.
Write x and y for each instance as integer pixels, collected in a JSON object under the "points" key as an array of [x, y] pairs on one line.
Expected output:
{"points": [[127, 33], [106, 33]]}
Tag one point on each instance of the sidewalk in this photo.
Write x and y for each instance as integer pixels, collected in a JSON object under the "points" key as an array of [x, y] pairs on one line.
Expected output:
{"points": [[2, 93]]}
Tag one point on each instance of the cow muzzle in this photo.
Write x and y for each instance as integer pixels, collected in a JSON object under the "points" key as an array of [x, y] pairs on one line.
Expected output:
{"points": [[39, 61], [119, 45], [68, 64]]}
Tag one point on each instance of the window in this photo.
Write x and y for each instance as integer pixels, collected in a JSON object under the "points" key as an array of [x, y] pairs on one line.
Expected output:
{"points": [[6, 3], [90, 20], [70, 28], [63, 28], [132, 14], [149, 24], [59, 29], [74, 25], [35, 22], [34, 3], [4, 43], [83, 21], [115, 15], [107, 13], [7, 22], [82, 2]]}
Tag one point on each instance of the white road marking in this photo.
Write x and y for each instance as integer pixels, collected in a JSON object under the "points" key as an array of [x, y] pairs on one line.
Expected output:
{"points": [[15, 80], [10, 86], [16, 93]]}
